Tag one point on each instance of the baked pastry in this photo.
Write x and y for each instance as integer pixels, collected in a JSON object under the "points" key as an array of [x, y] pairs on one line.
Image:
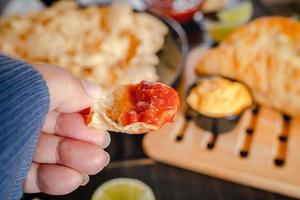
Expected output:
{"points": [[265, 55], [134, 108]]}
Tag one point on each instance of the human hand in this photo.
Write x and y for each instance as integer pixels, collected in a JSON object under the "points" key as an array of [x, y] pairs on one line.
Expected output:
{"points": [[67, 151]]}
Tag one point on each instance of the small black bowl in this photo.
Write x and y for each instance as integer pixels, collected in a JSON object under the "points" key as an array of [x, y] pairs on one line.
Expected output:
{"points": [[215, 125], [173, 54]]}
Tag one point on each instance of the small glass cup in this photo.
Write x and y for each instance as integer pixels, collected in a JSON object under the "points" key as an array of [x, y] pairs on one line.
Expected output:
{"points": [[180, 10]]}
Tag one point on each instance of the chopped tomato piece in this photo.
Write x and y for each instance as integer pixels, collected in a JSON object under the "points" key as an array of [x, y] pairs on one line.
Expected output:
{"points": [[152, 103], [87, 115]]}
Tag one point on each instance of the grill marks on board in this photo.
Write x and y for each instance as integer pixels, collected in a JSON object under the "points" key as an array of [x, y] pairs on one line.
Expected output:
{"points": [[209, 140]]}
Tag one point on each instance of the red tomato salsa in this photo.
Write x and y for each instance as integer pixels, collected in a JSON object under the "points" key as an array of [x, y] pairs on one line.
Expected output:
{"points": [[87, 115], [152, 103], [180, 10]]}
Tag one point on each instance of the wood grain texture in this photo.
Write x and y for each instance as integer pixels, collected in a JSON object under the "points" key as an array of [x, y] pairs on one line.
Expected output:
{"points": [[224, 161]]}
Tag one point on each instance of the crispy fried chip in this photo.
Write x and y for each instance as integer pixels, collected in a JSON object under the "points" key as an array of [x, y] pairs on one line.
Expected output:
{"points": [[107, 45], [134, 108]]}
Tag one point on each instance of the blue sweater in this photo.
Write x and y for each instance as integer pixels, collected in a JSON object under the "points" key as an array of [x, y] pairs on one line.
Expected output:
{"points": [[24, 103]]}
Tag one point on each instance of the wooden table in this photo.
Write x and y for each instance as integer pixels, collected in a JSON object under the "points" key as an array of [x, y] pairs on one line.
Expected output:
{"points": [[167, 182]]}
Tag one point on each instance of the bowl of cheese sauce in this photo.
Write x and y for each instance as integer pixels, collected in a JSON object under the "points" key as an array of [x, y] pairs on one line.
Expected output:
{"points": [[216, 103]]}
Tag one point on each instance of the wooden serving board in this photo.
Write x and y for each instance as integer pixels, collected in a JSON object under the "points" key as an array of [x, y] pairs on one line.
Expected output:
{"points": [[263, 151]]}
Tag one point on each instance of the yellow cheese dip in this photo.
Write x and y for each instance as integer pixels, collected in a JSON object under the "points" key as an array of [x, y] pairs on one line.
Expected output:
{"points": [[219, 97]]}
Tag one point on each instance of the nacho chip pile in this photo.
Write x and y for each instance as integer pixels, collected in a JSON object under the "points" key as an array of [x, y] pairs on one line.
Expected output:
{"points": [[107, 45]]}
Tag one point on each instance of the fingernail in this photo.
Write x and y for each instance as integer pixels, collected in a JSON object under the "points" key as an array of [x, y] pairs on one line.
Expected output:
{"points": [[85, 179], [108, 158], [107, 140], [91, 88]]}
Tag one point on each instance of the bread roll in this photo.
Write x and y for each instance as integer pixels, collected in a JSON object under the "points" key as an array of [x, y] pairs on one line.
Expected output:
{"points": [[265, 55]]}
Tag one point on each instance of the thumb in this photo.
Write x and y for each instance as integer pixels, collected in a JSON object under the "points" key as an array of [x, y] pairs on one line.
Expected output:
{"points": [[67, 93]]}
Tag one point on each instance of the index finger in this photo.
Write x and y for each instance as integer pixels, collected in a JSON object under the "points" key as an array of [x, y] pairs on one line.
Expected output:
{"points": [[72, 125], [67, 93]]}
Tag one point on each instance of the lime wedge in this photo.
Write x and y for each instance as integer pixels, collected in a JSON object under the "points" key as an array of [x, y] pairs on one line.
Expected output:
{"points": [[240, 14], [219, 31], [123, 189], [229, 20]]}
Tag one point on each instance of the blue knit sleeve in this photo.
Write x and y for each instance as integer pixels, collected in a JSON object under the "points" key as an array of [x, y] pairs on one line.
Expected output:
{"points": [[24, 103]]}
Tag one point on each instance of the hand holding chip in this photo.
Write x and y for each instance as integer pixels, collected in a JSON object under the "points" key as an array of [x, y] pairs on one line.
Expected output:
{"points": [[67, 151]]}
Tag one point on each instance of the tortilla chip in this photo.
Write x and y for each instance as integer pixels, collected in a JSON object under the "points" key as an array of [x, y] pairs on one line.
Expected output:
{"points": [[134, 108], [107, 45], [110, 105]]}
